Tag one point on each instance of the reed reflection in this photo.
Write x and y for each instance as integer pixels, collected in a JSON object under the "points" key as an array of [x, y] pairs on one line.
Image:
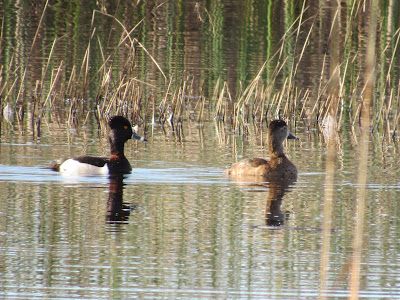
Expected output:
{"points": [[117, 211]]}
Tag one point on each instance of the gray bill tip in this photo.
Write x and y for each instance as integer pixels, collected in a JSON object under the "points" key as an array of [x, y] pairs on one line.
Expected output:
{"points": [[291, 136], [135, 136]]}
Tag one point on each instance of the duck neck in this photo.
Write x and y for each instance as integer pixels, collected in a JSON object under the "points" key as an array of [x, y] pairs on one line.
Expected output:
{"points": [[117, 149], [276, 149]]}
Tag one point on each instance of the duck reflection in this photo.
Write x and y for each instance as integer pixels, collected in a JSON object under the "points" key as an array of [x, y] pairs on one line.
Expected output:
{"points": [[273, 213], [117, 211], [276, 192]]}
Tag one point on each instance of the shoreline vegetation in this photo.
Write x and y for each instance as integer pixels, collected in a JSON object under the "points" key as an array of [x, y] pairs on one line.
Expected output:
{"points": [[65, 93]]}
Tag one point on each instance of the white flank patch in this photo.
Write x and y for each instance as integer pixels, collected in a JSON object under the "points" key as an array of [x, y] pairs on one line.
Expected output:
{"points": [[74, 167]]}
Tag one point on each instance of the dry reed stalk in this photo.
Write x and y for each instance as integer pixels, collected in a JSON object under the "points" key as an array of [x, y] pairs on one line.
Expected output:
{"points": [[122, 40], [152, 58], [5, 84], [44, 71], [83, 76], [260, 109], [272, 104], [181, 97], [104, 86], [341, 85], [190, 113], [9, 91], [163, 106], [121, 97], [179, 102], [288, 101], [248, 92], [302, 101], [201, 113], [321, 89], [1, 82], [101, 53], [219, 132], [218, 109], [261, 103], [254, 102], [1, 33], [397, 112], [339, 122], [301, 53], [380, 112], [71, 81], [127, 33], [303, 108], [104, 89], [108, 106], [294, 65], [138, 104], [153, 112], [216, 91], [54, 80], [394, 50], [357, 112], [389, 105], [200, 103], [278, 107], [172, 107], [227, 109], [246, 96]]}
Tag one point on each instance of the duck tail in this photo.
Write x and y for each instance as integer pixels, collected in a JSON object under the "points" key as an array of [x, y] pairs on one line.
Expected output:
{"points": [[228, 171], [55, 165]]}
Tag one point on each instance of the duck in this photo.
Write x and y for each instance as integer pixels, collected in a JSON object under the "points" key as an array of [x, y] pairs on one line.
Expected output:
{"points": [[279, 167], [120, 132]]}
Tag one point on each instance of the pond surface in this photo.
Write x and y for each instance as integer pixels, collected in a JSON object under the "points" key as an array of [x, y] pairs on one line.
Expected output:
{"points": [[177, 227]]}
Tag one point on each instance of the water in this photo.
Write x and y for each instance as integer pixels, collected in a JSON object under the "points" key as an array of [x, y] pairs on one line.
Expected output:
{"points": [[177, 227]]}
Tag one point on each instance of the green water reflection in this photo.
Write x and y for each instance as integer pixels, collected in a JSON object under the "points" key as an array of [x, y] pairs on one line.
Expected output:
{"points": [[205, 40]]}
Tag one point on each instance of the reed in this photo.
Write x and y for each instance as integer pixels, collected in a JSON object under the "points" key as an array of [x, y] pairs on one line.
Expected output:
{"points": [[116, 89]]}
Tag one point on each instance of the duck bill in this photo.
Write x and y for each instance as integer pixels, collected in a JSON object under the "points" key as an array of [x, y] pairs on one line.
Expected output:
{"points": [[292, 137], [135, 136]]}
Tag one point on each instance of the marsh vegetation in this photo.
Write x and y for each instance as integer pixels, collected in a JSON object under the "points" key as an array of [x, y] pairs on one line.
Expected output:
{"points": [[315, 61], [202, 80]]}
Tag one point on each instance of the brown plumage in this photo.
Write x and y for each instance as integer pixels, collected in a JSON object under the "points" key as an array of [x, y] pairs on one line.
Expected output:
{"points": [[279, 167]]}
